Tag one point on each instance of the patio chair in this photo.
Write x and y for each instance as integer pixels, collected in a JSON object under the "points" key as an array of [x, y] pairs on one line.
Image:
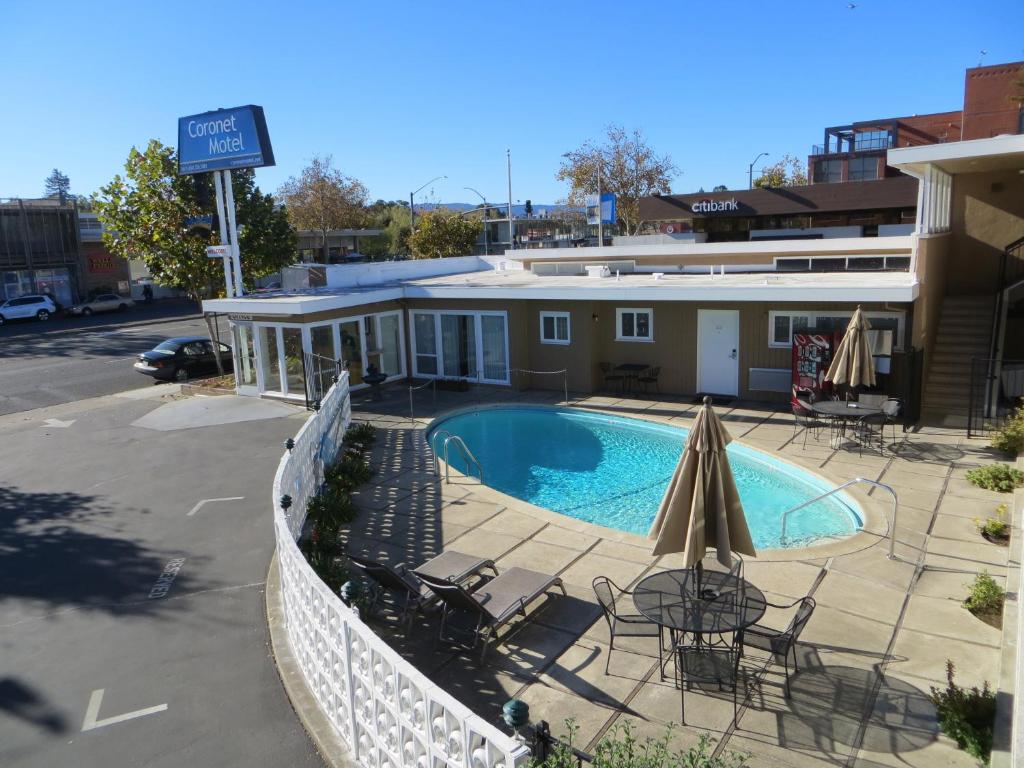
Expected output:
{"points": [[492, 605], [621, 623], [406, 584], [651, 377], [804, 416], [781, 643], [893, 409], [870, 431], [709, 662], [610, 376]]}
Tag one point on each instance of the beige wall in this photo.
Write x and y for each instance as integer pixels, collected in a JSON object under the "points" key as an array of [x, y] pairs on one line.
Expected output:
{"points": [[988, 215], [932, 269]]}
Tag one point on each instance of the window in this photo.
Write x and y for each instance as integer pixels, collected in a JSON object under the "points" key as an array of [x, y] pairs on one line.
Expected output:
{"points": [[554, 327], [828, 171], [863, 168], [782, 325], [634, 325], [461, 345]]}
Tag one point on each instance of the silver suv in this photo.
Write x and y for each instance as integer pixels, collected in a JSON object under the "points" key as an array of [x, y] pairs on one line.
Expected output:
{"points": [[25, 307]]}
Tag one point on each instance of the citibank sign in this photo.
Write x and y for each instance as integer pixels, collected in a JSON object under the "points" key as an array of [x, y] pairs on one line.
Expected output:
{"points": [[714, 206]]}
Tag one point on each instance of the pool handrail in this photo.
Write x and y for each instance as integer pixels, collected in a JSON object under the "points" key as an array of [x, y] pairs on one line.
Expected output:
{"points": [[468, 454], [433, 449], [837, 489]]}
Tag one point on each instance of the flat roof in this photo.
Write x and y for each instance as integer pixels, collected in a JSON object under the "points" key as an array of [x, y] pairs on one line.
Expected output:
{"points": [[976, 155], [632, 288]]}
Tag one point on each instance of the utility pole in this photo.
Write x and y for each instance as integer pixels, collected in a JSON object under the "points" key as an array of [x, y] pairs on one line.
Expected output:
{"points": [[600, 209], [511, 226]]}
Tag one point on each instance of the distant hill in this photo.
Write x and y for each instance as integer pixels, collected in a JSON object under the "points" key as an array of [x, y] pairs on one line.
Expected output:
{"points": [[539, 209]]}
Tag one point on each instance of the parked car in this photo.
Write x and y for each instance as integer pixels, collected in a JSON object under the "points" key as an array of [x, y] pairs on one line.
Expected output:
{"points": [[104, 302], [26, 307], [183, 358]]}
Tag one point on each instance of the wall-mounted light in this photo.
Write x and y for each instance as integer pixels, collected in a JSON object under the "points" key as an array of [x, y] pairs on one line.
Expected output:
{"points": [[594, 317]]}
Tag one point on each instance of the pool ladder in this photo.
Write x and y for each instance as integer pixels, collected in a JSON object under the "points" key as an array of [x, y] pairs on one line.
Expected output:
{"points": [[467, 454], [837, 489]]}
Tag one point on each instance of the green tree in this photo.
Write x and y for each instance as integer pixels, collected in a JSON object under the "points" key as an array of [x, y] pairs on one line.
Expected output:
{"points": [[392, 217], [628, 167], [720, 188], [57, 185], [322, 198], [788, 172], [440, 234], [144, 214]]}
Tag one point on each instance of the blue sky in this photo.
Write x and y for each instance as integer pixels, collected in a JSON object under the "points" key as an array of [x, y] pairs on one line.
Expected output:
{"points": [[400, 92]]}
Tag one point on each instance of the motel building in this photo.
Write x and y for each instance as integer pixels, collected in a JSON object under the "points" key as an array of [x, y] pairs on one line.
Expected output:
{"points": [[711, 300]]}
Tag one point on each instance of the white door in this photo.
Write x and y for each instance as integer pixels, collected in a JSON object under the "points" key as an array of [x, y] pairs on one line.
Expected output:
{"points": [[718, 349]]}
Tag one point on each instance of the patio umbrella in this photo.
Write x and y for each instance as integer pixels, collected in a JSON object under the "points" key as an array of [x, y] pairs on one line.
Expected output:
{"points": [[853, 363], [702, 507]]}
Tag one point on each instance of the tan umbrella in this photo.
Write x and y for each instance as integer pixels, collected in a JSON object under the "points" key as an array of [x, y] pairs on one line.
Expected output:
{"points": [[702, 507], [853, 363]]}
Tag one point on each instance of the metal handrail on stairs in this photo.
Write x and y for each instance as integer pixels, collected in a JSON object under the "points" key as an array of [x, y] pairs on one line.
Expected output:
{"points": [[466, 453], [837, 489]]}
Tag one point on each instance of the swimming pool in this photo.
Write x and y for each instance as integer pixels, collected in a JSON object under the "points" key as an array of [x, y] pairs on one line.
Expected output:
{"points": [[613, 471]]}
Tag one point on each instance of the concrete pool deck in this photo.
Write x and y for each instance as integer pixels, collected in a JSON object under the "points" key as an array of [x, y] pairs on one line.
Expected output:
{"points": [[879, 638]]}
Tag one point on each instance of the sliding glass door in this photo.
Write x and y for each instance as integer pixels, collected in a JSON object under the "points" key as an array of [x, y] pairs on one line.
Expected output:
{"points": [[461, 345]]}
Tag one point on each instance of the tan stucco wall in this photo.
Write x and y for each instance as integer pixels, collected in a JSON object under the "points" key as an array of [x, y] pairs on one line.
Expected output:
{"points": [[988, 215], [932, 272]]}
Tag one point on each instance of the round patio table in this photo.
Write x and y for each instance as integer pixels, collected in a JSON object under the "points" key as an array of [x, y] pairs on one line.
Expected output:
{"points": [[840, 413], [726, 603]]}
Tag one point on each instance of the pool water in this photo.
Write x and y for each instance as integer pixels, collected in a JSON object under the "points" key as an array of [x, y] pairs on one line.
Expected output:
{"points": [[613, 471]]}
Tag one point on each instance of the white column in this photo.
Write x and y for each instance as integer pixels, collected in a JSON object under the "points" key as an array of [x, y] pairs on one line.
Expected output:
{"points": [[235, 253]]}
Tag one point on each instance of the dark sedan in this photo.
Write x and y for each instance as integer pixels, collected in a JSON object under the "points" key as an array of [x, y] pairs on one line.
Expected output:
{"points": [[183, 358]]}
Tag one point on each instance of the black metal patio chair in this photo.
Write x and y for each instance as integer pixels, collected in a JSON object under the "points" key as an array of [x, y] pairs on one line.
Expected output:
{"points": [[782, 642], [610, 376], [624, 623], [650, 377]]}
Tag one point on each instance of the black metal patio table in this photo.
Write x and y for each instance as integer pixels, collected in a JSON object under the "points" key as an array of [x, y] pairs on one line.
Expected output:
{"points": [[840, 413], [726, 603], [631, 372]]}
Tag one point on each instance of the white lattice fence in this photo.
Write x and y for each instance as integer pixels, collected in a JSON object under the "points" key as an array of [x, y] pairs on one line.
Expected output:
{"points": [[388, 713]]}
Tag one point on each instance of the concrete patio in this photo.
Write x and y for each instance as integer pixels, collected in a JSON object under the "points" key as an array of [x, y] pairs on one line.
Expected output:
{"points": [[879, 638]]}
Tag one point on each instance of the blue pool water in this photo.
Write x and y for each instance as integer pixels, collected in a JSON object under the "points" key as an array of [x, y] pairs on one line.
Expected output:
{"points": [[613, 471]]}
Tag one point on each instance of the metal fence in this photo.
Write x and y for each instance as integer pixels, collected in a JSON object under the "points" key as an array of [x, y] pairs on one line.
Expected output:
{"points": [[997, 386], [319, 373], [386, 711]]}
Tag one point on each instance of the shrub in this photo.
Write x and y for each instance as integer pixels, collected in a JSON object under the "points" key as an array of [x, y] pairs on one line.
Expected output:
{"points": [[995, 526], [329, 567], [621, 748], [332, 507], [361, 435], [996, 477], [349, 472], [1010, 437], [985, 596], [966, 716]]}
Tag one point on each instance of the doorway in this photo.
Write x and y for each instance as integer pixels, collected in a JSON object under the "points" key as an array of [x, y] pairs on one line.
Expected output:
{"points": [[718, 346]]}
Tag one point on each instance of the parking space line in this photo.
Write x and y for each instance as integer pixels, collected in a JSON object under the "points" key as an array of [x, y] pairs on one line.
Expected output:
{"points": [[198, 506], [92, 720]]}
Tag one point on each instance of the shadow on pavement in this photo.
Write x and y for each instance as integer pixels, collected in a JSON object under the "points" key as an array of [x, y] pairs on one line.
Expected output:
{"points": [[19, 701]]}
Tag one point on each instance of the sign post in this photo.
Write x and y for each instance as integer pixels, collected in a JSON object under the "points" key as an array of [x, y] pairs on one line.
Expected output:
{"points": [[217, 142]]}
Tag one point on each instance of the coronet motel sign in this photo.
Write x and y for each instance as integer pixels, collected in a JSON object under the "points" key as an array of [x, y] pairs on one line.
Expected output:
{"points": [[714, 206], [224, 139]]}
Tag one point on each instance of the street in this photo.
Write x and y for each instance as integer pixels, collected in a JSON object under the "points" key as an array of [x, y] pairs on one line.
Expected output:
{"points": [[67, 359], [134, 560]]}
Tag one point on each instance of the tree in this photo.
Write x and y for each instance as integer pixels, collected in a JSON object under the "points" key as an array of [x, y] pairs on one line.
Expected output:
{"points": [[788, 172], [439, 234], [144, 216], [322, 198], [392, 217], [720, 188], [57, 185], [629, 168]]}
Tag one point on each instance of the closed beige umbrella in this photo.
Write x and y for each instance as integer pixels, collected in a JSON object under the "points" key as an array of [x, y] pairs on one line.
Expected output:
{"points": [[702, 507], [853, 363]]}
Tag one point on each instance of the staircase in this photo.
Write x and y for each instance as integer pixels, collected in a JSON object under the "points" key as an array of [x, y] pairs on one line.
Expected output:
{"points": [[965, 328]]}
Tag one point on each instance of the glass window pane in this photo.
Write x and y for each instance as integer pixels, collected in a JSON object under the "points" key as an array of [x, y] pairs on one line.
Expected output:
{"points": [[627, 325], [458, 346], [246, 351], [492, 334], [293, 361], [321, 338], [781, 333], [563, 329], [390, 345], [643, 325], [548, 324], [351, 352], [269, 361]]}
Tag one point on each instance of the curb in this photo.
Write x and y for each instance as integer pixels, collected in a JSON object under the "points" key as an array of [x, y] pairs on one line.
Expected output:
{"points": [[332, 749]]}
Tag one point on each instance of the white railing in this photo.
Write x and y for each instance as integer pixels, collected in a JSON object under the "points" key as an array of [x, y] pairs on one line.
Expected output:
{"points": [[387, 712]]}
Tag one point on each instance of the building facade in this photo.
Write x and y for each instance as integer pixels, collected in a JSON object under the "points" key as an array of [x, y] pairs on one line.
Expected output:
{"points": [[40, 250]]}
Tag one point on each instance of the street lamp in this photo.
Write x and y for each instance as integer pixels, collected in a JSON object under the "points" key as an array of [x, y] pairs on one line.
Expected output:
{"points": [[750, 170], [412, 208], [484, 199]]}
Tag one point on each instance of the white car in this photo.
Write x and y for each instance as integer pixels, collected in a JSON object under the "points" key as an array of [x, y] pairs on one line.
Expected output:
{"points": [[25, 307], [104, 302]]}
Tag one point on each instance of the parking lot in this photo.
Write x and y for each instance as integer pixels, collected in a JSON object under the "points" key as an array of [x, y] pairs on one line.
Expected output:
{"points": [[69, 358]]}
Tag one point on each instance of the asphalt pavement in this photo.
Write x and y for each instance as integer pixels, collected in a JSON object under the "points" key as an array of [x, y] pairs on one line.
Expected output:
{"points": [[133, 562], [68, 359]]}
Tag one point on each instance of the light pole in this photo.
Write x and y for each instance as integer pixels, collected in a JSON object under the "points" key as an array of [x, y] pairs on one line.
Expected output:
{"points": [[750, 170], [511, 225], [484, 199], [412, 208]]}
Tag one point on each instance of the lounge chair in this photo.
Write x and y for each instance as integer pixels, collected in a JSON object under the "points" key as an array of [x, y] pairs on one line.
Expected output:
{"points": [[494, 604], [406, 583]]}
